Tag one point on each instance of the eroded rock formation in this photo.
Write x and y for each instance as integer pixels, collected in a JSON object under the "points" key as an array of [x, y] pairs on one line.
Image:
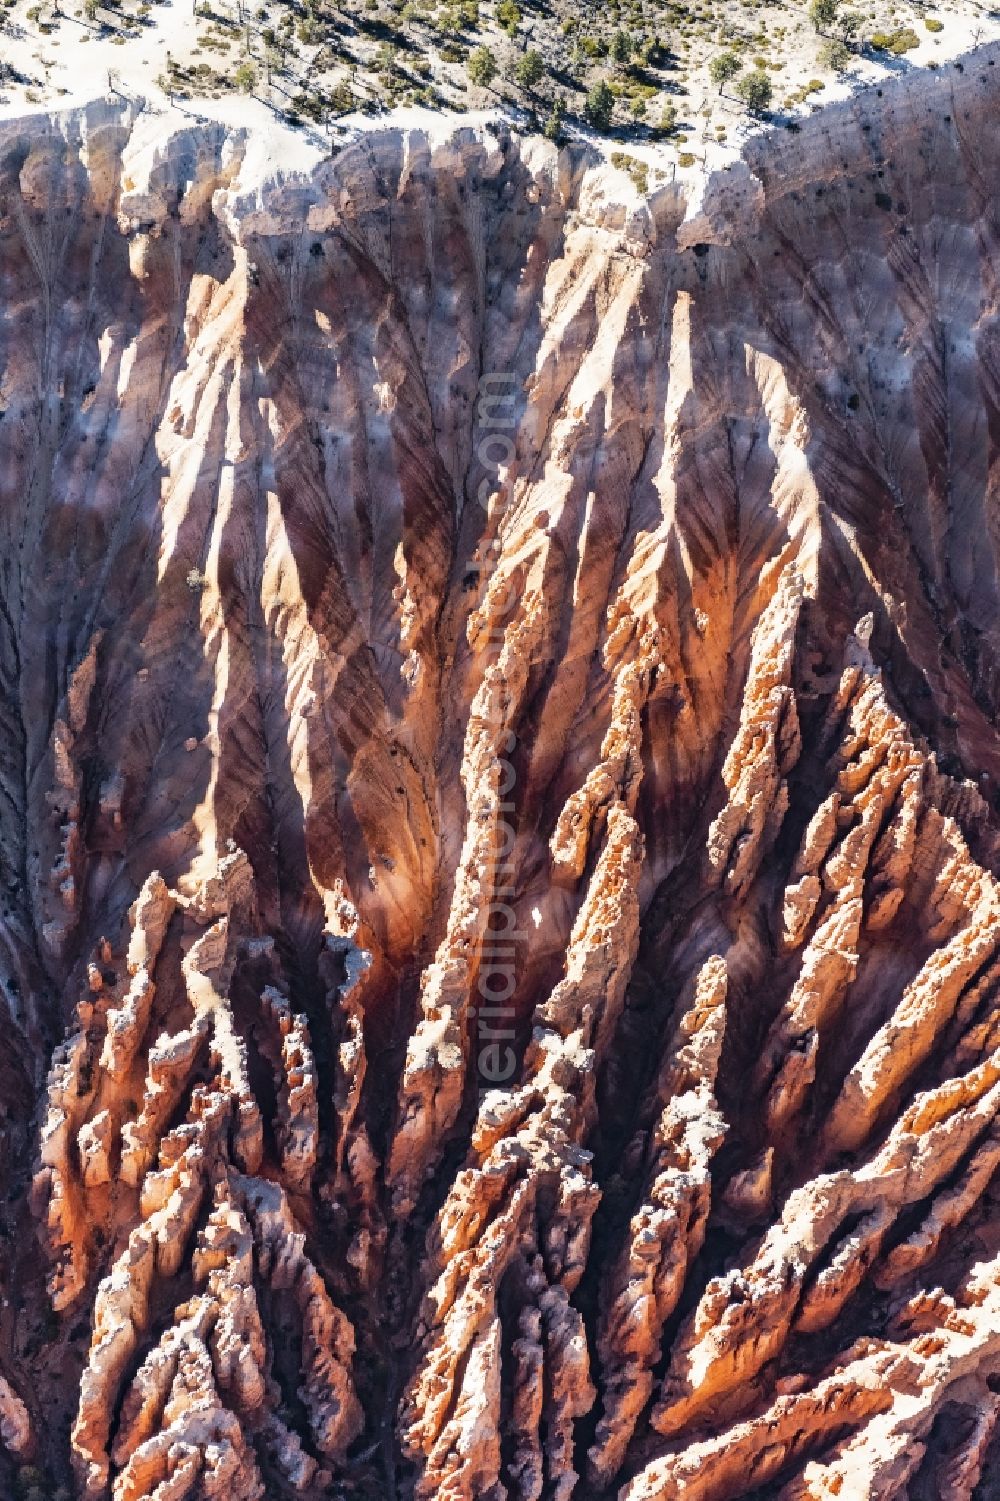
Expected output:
{"points": [[500, 821]]}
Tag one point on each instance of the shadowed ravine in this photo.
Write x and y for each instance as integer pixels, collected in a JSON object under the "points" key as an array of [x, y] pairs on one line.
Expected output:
{"points": [[500, 815]]}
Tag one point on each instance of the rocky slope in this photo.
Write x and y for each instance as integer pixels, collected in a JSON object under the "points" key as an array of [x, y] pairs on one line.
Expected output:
{"points": [[500, 803]]}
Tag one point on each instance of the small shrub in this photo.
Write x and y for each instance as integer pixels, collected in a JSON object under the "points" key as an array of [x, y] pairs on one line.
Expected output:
{"points": [[933, 24], [636, 169], [686, 159], [835, 55], [904, 39]]}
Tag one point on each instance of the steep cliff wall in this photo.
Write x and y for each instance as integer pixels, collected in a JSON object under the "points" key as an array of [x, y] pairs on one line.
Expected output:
{"points": [[499, 811]]}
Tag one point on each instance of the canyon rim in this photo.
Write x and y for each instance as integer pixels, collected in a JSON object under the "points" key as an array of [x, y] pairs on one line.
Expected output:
{"points": [[654, 746]]}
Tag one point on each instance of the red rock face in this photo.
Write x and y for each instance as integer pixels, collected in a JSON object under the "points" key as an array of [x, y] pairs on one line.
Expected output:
{"points": [[499, 820]]}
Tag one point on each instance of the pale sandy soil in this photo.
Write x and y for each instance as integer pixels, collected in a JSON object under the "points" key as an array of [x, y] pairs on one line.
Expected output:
{"points": [[124, 50]]}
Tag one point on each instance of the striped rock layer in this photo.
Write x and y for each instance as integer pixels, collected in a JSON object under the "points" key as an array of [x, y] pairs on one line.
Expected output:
{"points": [[500, 814]]}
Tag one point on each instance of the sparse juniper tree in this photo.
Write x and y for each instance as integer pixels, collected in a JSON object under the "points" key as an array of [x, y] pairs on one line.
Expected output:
{"points": [[509, 16], [755, 90], [599, 106], [552, 129], [850, 24], [481, 67], [621, 49], [342, 98], [823, 13], [530, 69], [668, 119], [724, 67]]}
